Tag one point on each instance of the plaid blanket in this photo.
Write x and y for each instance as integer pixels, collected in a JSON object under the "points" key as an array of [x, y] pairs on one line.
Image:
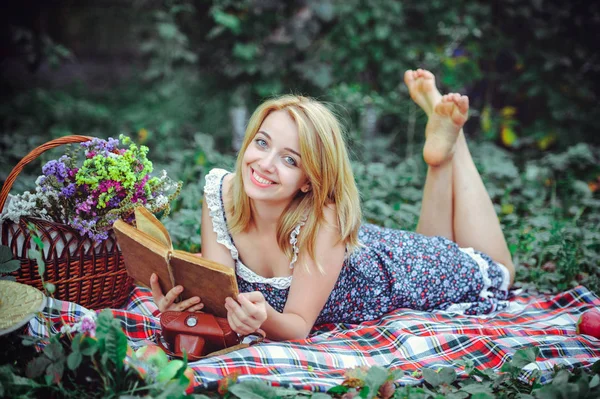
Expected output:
{"points": [[405, 339]]}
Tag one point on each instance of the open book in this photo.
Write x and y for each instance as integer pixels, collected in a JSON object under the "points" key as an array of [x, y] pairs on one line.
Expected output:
{"points": [[148, 249]]}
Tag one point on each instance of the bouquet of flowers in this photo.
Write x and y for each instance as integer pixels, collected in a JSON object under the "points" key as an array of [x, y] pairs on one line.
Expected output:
{"points": [[90, 194]]}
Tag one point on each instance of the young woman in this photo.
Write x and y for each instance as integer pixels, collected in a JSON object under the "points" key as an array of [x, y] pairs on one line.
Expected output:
{"points": [[288, 220]]}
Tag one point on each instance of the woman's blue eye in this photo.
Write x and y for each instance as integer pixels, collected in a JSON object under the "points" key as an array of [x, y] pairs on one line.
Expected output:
{"points": [[261, 143], [291, 161]]}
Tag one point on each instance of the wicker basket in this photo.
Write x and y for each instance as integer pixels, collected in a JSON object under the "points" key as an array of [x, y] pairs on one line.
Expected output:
{"points": [[90, 274]]}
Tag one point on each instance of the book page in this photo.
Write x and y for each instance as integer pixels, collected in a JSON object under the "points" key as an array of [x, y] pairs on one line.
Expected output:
{"points": [[149, 224]]}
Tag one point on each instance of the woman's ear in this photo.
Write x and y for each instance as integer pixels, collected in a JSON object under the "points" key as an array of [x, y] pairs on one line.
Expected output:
{"points": [[305, 188]]}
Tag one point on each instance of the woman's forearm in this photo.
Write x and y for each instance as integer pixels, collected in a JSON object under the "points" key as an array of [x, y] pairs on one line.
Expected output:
{"points": [[285, 326]]}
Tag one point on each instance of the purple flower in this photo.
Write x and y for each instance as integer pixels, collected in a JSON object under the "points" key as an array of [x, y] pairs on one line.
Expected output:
{"points": [[99, 146], [88, 325], [113, 202], [57, 169], [69, 191], [85, 206]]}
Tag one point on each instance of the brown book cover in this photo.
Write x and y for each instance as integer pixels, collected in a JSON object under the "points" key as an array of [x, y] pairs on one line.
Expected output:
{"points": [[148, 249]]}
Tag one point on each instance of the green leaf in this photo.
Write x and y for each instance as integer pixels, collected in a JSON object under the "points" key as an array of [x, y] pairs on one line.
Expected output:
{"points": [[253, 389], [10, 266], [523, 357], [229, 21], [51, 288], [431, 377], [477, 388], [116, 345], [5, 254], [54, 351], [38, 242], [56, 370], [88, 346], [596, 367], [376, 376], [103, 323], [561, 378], [167, 30], [483, 395], [29, 340], [245, 51], [76, 342], [37, 256], [447, 375], [338, 390], [74, 360], [37, 366]]}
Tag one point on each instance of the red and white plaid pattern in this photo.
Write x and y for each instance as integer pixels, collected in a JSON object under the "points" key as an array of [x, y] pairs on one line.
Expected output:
{"points": [[405, 339]]}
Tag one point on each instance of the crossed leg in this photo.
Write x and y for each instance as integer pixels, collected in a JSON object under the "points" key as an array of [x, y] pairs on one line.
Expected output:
{"points": [[455, 203]]}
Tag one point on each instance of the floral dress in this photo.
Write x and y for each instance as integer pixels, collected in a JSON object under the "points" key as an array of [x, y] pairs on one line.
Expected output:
{"points": [[393, 269]]}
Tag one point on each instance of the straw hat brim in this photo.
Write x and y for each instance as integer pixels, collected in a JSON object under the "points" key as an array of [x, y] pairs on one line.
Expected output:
{"points": [[18, 304]]}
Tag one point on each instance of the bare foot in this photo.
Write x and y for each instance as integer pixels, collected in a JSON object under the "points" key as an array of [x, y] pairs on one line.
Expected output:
{"points": [[421, 86], [444, 125]]}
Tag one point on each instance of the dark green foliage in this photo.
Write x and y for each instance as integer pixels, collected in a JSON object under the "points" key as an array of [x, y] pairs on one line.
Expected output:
{"points": [[7, 263], [530, 70]]}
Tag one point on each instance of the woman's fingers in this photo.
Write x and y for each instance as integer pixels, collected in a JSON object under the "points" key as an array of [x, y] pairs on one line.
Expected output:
{"points": [[244, 318], [255, 297], [237, 325], [188, 304], [167, 302], [254, 306], [195, 308], [157, 293], [238, 311]]}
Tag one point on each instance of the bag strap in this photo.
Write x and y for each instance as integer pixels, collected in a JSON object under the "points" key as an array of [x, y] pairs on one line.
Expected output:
{"points": [[33, 155], [259, 334]]}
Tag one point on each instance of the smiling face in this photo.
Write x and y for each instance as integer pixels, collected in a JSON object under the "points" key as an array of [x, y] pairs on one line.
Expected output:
{"points": [[272, 167]]}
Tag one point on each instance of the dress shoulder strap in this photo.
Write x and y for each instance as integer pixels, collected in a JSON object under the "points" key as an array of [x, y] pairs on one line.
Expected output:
{"points": [[213, 193]]}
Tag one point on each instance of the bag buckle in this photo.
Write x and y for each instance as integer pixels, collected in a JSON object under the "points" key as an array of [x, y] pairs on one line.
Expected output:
{"points": [[191, 321]]}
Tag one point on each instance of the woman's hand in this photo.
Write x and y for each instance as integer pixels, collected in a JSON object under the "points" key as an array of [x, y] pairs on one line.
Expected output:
{"points": [[247, 314], [166, 302]]}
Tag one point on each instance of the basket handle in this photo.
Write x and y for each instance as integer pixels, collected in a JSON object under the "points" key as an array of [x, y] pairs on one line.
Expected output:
{"points": [[33, 155]]}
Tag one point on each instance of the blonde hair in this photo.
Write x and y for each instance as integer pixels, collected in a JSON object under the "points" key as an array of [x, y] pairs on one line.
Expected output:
{"points": [[325, 162]]}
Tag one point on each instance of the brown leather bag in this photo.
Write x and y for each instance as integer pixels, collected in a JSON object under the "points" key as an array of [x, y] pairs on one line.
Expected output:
{"points": [[199, 335]]}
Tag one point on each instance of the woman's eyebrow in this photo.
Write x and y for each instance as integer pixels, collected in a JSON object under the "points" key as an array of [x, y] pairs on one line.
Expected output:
{"points": [[286, 148]]}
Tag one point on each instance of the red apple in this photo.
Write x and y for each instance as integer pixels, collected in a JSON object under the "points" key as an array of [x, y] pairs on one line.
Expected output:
{"points": [[589, 323]]}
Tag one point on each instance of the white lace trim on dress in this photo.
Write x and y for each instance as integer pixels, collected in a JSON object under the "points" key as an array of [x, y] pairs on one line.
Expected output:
{"points": [[251, 277], [483, 268], [212, 191], [294, 241]]}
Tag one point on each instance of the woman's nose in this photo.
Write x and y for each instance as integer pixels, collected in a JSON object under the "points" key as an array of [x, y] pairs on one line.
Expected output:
{"points": [[267, 163]]}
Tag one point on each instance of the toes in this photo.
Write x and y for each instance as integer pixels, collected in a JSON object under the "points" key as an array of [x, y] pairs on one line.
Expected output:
{"points": [[463, 104], [426, 74], [444, 108], [409, 77]]}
